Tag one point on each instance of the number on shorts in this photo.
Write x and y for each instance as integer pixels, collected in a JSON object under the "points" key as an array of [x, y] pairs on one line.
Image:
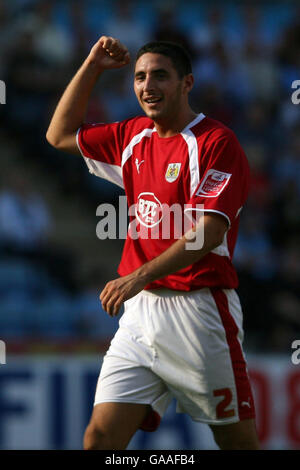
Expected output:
{"points": [[221, 407]]}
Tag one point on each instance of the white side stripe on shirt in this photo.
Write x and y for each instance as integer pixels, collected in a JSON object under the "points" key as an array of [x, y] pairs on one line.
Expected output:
{"points": [[192, 144], [127, 152]]}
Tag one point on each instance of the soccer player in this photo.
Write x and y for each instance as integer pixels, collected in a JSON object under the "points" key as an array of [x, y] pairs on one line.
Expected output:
{"points": [[181, 332]]}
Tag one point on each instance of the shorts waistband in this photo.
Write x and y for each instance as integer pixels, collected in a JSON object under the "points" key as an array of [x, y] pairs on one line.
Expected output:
{"points": [[170, 292]]}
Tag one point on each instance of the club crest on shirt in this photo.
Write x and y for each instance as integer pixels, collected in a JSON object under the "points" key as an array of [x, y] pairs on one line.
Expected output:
{"points": [[172, 172]]}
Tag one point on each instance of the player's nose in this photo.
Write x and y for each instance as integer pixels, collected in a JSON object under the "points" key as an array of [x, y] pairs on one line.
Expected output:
{"points": [[148, 84]]}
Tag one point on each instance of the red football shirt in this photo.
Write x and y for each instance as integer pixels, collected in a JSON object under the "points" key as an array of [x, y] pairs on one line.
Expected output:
{"points": [[203, 165]]}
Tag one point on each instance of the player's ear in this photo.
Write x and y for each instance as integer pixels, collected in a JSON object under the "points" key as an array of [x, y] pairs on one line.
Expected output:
{"points": [[188, 82]]}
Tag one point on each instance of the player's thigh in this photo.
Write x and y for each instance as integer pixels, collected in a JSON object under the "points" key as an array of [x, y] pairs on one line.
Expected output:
{"points": [[117, 422], [235, 436]]}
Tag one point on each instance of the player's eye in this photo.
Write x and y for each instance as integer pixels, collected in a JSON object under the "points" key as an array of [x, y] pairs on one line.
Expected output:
{"points": [[161, 75]]}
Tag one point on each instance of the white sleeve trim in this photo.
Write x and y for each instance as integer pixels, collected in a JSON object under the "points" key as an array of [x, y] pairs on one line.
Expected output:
{"points": [[222, 249], [107, 171], [209, 210]]}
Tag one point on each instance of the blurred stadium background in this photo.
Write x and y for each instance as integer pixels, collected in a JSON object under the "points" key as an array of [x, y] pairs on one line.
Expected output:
{"points": [[52, 266]]}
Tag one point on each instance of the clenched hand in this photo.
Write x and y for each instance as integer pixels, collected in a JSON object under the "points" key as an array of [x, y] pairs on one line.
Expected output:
{"points": [[109, 53], [116, 292]]}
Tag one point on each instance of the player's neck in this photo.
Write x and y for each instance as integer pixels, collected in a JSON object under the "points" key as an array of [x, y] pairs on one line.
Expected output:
{"points": [[170, 127]]}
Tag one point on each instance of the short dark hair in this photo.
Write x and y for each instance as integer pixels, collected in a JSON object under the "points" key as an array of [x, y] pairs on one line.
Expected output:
{"points": [[177, 53]]}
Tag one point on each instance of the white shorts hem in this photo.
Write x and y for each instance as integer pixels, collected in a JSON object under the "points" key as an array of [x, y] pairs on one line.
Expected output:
{"points": [[135, 402], [118, 400], [215, 422]]}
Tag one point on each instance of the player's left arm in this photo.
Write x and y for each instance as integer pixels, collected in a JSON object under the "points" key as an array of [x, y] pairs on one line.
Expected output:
{"points": [[176, 257]]}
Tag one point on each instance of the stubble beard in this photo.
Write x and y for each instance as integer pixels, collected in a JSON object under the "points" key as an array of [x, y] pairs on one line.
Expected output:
{"points": [[168, 112]]}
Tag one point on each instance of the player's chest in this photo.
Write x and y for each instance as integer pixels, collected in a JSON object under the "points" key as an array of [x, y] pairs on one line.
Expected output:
{"points": [[161, 169]]}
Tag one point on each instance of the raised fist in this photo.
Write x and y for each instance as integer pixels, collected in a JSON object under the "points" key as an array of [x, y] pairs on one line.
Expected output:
{"points": [[109, 53]]}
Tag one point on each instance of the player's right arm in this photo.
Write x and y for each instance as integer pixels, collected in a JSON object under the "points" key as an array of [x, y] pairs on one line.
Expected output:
{"points": [[69, 115]]}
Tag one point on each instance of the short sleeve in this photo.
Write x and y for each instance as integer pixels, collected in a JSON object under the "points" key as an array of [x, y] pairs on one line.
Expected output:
{"points": [[101, 147], [224, 178]]}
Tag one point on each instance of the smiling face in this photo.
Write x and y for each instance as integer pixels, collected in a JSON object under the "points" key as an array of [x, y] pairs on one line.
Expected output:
{"points": [[160, 91]]}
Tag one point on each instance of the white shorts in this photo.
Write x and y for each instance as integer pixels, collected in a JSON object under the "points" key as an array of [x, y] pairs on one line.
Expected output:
{"points": [[183, 345]]}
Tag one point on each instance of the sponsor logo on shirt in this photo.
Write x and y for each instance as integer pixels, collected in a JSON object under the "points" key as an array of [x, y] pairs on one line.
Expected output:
{"points": [[213, 183], [148, 210], [172, 172]]}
